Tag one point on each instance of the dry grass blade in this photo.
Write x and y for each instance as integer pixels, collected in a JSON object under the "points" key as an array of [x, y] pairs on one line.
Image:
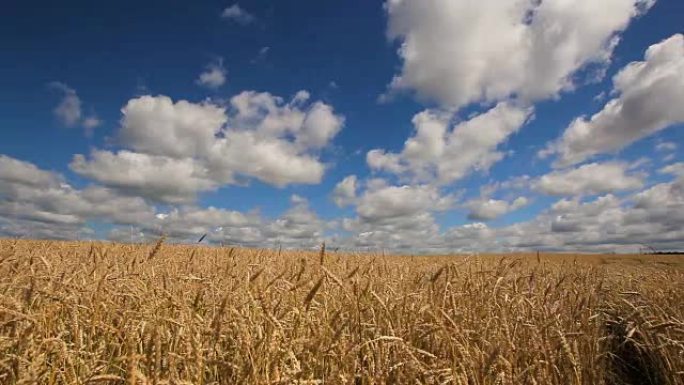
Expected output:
{"points": [[157, 247], [321, 254], [312, 293]]}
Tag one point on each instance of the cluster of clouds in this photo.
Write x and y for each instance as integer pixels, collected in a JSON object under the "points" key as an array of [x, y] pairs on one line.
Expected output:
{"points": [[458, 53], [590, 179], [438, 153], [548, 48], [169, 151], [173, 150], [649, 96], [502, 57], [37, 202], [606, 222], [40, 203]]}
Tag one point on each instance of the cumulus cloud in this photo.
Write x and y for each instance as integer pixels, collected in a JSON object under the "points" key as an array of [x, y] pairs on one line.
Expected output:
{"points": [[589, 179], [15, 171], [154, 177], [605, 223], [36, 202], [157, 125], [437, 153], [297, 227], [176, 149], [40, 203], [488, 209], [654, 216], [191, 222], [458, 53], [69, 110], [383, 202], [237, 14], [650, 96], [395, 217], [213, 76], [345, 191], [400, 234], [471, 237]]}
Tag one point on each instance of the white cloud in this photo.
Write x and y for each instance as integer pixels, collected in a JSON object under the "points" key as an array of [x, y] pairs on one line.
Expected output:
{"points": [[345, 191], [13, 171], [272, 160], [384, 202], [402, 233], [661, 195], [654, 216], [395, 217], [666, 146], [438, 153], [214, 76], [319, 126], [175, 150], [588, 179], [297, 227], [36, 202], [69, 110], [573, 216], [607, 223], [488, 209], [458, 52], [676, 169], [154, 177], [169, 151], [378, 159], [156, 125], [189, 222], [20, 228], [275, 141], [471, 237], [650, 96], [39, 203], [237, 14]]}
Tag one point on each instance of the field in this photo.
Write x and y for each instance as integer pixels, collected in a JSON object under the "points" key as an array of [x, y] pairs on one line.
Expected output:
{"points": [[100, 313]]}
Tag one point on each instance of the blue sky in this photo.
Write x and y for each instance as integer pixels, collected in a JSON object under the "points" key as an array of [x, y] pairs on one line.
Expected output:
{"points": [[103, 106]]}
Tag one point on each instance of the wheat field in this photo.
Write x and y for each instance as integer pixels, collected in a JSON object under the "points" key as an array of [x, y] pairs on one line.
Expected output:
{"points": [[103, 313]]}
